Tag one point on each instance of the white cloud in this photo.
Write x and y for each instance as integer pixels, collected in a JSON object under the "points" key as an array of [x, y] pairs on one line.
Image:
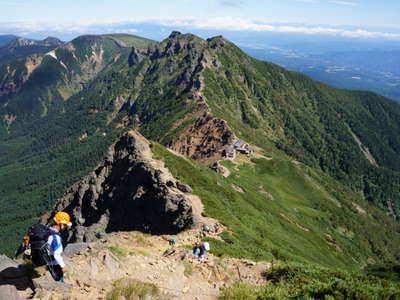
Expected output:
{"points": [[239, 24], [218, 24]]}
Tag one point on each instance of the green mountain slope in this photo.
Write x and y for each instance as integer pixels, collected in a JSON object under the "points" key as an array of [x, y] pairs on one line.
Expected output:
{"points": [[41, 83], [288, 211], [129, 40], [37, 165], [196, 96], [41, 155], [350, 135]]}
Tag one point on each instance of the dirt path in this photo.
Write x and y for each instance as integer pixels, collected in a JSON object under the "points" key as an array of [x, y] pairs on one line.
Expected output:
{"points": [[177, 273]]}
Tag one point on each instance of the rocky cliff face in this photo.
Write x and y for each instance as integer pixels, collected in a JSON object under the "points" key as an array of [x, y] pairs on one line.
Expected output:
{"points": [[205, 139], [128, 191], [14, 76]]}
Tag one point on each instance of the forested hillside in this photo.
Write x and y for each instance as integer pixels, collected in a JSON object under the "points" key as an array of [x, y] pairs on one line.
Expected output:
{"points": [[351, 135], [197, 96]]}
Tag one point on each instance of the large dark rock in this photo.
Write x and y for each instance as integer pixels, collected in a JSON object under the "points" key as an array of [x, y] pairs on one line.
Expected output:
{"points": [[9, 268], [127, 191], [12, 274], [184, 187]]}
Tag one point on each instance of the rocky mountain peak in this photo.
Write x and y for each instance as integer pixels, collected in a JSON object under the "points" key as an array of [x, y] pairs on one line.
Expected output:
{"points": [[18, 42], [89, 38], [217, 42], [174, 34], [182, 36], [23, 42], [52, 41], [129, 190]]}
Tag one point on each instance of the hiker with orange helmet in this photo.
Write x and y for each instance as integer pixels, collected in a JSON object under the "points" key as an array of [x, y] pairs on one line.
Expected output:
{"points": [[61, 221]]}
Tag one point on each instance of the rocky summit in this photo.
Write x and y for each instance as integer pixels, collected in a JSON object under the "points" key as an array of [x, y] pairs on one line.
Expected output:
{"points": [[129, 190]]}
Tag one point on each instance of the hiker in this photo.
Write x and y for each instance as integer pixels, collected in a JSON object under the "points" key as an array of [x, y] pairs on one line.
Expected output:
{"points": [[200, 250], [46, 245], [61, 222], [172, 242], [24, 248]]}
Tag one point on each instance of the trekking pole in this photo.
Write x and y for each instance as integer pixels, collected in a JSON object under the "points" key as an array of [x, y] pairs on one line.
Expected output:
{"points": [[48, 260]]}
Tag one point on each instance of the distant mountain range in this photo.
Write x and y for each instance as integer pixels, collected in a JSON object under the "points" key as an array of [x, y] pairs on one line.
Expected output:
{"points": [[12, 48], [4, 39], [345, 63]]}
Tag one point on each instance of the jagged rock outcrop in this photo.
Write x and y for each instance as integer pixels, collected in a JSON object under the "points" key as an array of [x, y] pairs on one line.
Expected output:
{"points": [[128, 191], [205, 139], [13, 79]]}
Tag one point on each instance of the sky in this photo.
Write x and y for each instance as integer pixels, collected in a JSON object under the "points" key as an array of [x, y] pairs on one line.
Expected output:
{"points": [[350, 18]]}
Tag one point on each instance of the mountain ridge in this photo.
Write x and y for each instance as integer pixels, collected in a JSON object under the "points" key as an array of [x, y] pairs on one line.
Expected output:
{"points": [[197, 96], [22, 47]]}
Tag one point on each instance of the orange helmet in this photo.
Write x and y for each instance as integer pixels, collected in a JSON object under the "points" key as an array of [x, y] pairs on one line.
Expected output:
{"points": [[25, 240], [62, 218]]}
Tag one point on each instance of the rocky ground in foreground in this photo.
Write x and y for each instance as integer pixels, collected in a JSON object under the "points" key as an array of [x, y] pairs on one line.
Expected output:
{"points": [[95, 267]]}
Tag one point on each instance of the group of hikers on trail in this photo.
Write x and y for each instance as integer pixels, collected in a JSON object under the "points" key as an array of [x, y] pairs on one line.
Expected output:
{"points": [[43, 244]]}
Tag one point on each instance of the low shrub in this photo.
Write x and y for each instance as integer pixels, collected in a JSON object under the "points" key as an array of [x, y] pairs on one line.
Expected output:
{"points": [[132, 289], [118, 251], [300, 281]]}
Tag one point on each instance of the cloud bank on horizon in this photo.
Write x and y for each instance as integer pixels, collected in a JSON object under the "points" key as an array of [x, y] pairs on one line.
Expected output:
{"points": [[214, 24], [344, 18]]}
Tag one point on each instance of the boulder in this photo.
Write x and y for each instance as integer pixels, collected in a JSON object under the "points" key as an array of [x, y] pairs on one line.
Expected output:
{"points": [[220, 169], [47, 283], [75, 248], [184, 187], [9, 269]]}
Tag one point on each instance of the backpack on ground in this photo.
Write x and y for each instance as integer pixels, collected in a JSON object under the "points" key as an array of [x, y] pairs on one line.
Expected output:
{"points": [[38, 237]]}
